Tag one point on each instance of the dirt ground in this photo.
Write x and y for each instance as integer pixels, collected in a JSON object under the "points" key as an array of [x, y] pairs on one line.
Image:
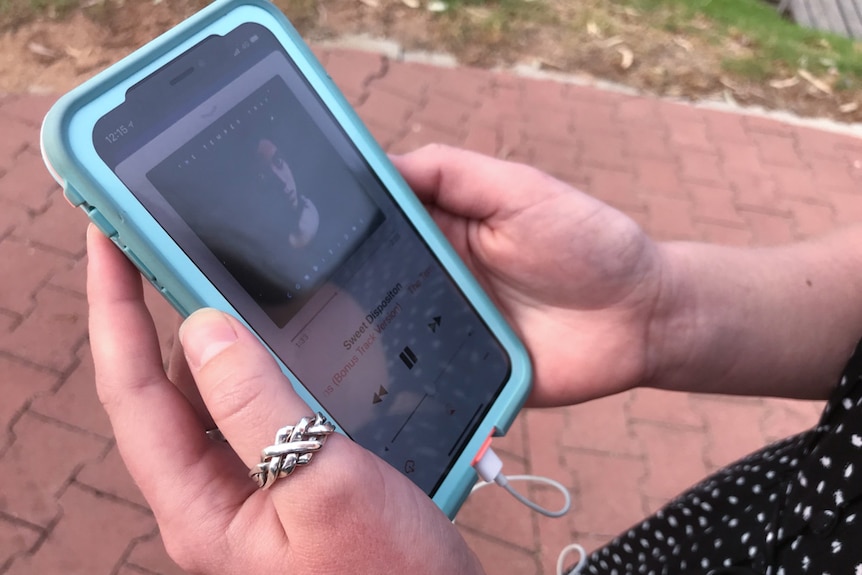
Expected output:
{"points": [[51, 55]]}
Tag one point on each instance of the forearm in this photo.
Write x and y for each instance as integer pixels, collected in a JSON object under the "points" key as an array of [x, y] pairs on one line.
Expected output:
{"points": [[773, 321]]}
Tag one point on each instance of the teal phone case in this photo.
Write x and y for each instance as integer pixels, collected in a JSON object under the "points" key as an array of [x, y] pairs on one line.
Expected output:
{"points": [[88, 183]]}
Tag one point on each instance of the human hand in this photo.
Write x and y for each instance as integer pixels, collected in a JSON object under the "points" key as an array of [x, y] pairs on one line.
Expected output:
{"points": [[576, 279], [345, 512]]}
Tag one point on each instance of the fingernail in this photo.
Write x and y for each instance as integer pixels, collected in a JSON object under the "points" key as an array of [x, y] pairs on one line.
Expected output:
{"points": [[205, 334]]}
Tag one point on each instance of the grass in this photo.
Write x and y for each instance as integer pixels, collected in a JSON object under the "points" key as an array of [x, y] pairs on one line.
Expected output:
{"points": [[14, 12], [775, 43], [766, 45]]}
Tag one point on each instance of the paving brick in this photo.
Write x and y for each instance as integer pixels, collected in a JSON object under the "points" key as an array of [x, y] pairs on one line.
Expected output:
{"points": [[482, 139], [496, 513], [692, 135], [30, 109], [501, 557], [110, 476], [17, 137], [651, 144], [547, 456], [786, 417], [60, 314], [811, 219], [27, 182], [28, 491], [664, 407], [675, 457], [736, 158], [724, 234], [546, 95], [638, 151], [60, 228], [444, 113], [75, 403], [500, 108], [796, 183], [406, 80], [714, 204], [16, 538], [11, 216], [468, 85], [73, 278], [660, 178], [848, 208], [813, 143], [386, 110], [150, 555], [614, 187], [701, 167], [670, 218], [733, 427], [609, 152], [726, 128], [87, 519], [514, 442], [383, 135], [351, 70], [642, 113], [550, 125], [613, 485], [20, 384], [601, 425], [834, 175], [419, 135], [777, 150], [757, 192], [759, 125], [594, 120], [561, 160], [25, 268], [769, 229], [676, 112]]}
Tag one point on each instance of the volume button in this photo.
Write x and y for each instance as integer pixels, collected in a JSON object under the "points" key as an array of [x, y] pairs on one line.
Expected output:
{"points": [[72, 195], [102, 223], [139, 264]]}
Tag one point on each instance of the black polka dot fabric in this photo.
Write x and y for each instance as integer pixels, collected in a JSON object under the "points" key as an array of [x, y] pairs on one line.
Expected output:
{"points": [[793, 507]]}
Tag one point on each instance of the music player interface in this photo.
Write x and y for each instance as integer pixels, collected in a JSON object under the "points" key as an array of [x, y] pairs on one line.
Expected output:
{"points": [[264, 192]]}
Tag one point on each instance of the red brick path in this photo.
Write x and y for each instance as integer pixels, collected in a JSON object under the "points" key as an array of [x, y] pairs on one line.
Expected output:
{"points": [[681, 171]]}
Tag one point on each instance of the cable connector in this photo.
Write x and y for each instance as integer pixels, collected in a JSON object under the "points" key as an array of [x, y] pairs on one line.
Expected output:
{"points": [[489, 466]]}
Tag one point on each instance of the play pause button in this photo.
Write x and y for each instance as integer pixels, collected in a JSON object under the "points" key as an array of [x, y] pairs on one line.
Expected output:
{"points": [[408, 357]]}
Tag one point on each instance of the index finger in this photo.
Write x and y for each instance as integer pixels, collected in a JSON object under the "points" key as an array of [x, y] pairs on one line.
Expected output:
{"points": [[158, 433]]}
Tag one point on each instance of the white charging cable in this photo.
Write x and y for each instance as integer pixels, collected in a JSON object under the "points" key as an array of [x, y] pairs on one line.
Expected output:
{"points": [[489, 466]]}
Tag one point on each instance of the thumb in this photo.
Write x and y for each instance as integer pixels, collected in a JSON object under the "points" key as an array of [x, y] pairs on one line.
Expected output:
{"points": [[241, 384]]}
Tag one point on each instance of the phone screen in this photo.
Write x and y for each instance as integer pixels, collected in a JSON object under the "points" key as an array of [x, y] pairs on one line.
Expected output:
{"points": [[237, 158]]}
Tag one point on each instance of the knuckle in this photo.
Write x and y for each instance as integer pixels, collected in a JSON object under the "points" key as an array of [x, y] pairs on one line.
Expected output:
{"points": [[233, 395]]}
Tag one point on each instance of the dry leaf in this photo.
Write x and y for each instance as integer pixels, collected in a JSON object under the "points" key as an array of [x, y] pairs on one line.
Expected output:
{"points": [[849, 107], [437, 6], [627, 57], [783, 84], [611, 42], [42, 50], [817, 83], [683, 43], [411, 3], [728, 97], [371, 3], [593, 30]]}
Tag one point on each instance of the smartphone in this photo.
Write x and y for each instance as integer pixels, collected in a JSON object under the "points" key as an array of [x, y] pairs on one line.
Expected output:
{"points": [[228, 167]]}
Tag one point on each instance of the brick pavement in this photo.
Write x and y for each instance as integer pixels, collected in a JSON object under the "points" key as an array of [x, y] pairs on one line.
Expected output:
{"points": [[682, 172]]}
